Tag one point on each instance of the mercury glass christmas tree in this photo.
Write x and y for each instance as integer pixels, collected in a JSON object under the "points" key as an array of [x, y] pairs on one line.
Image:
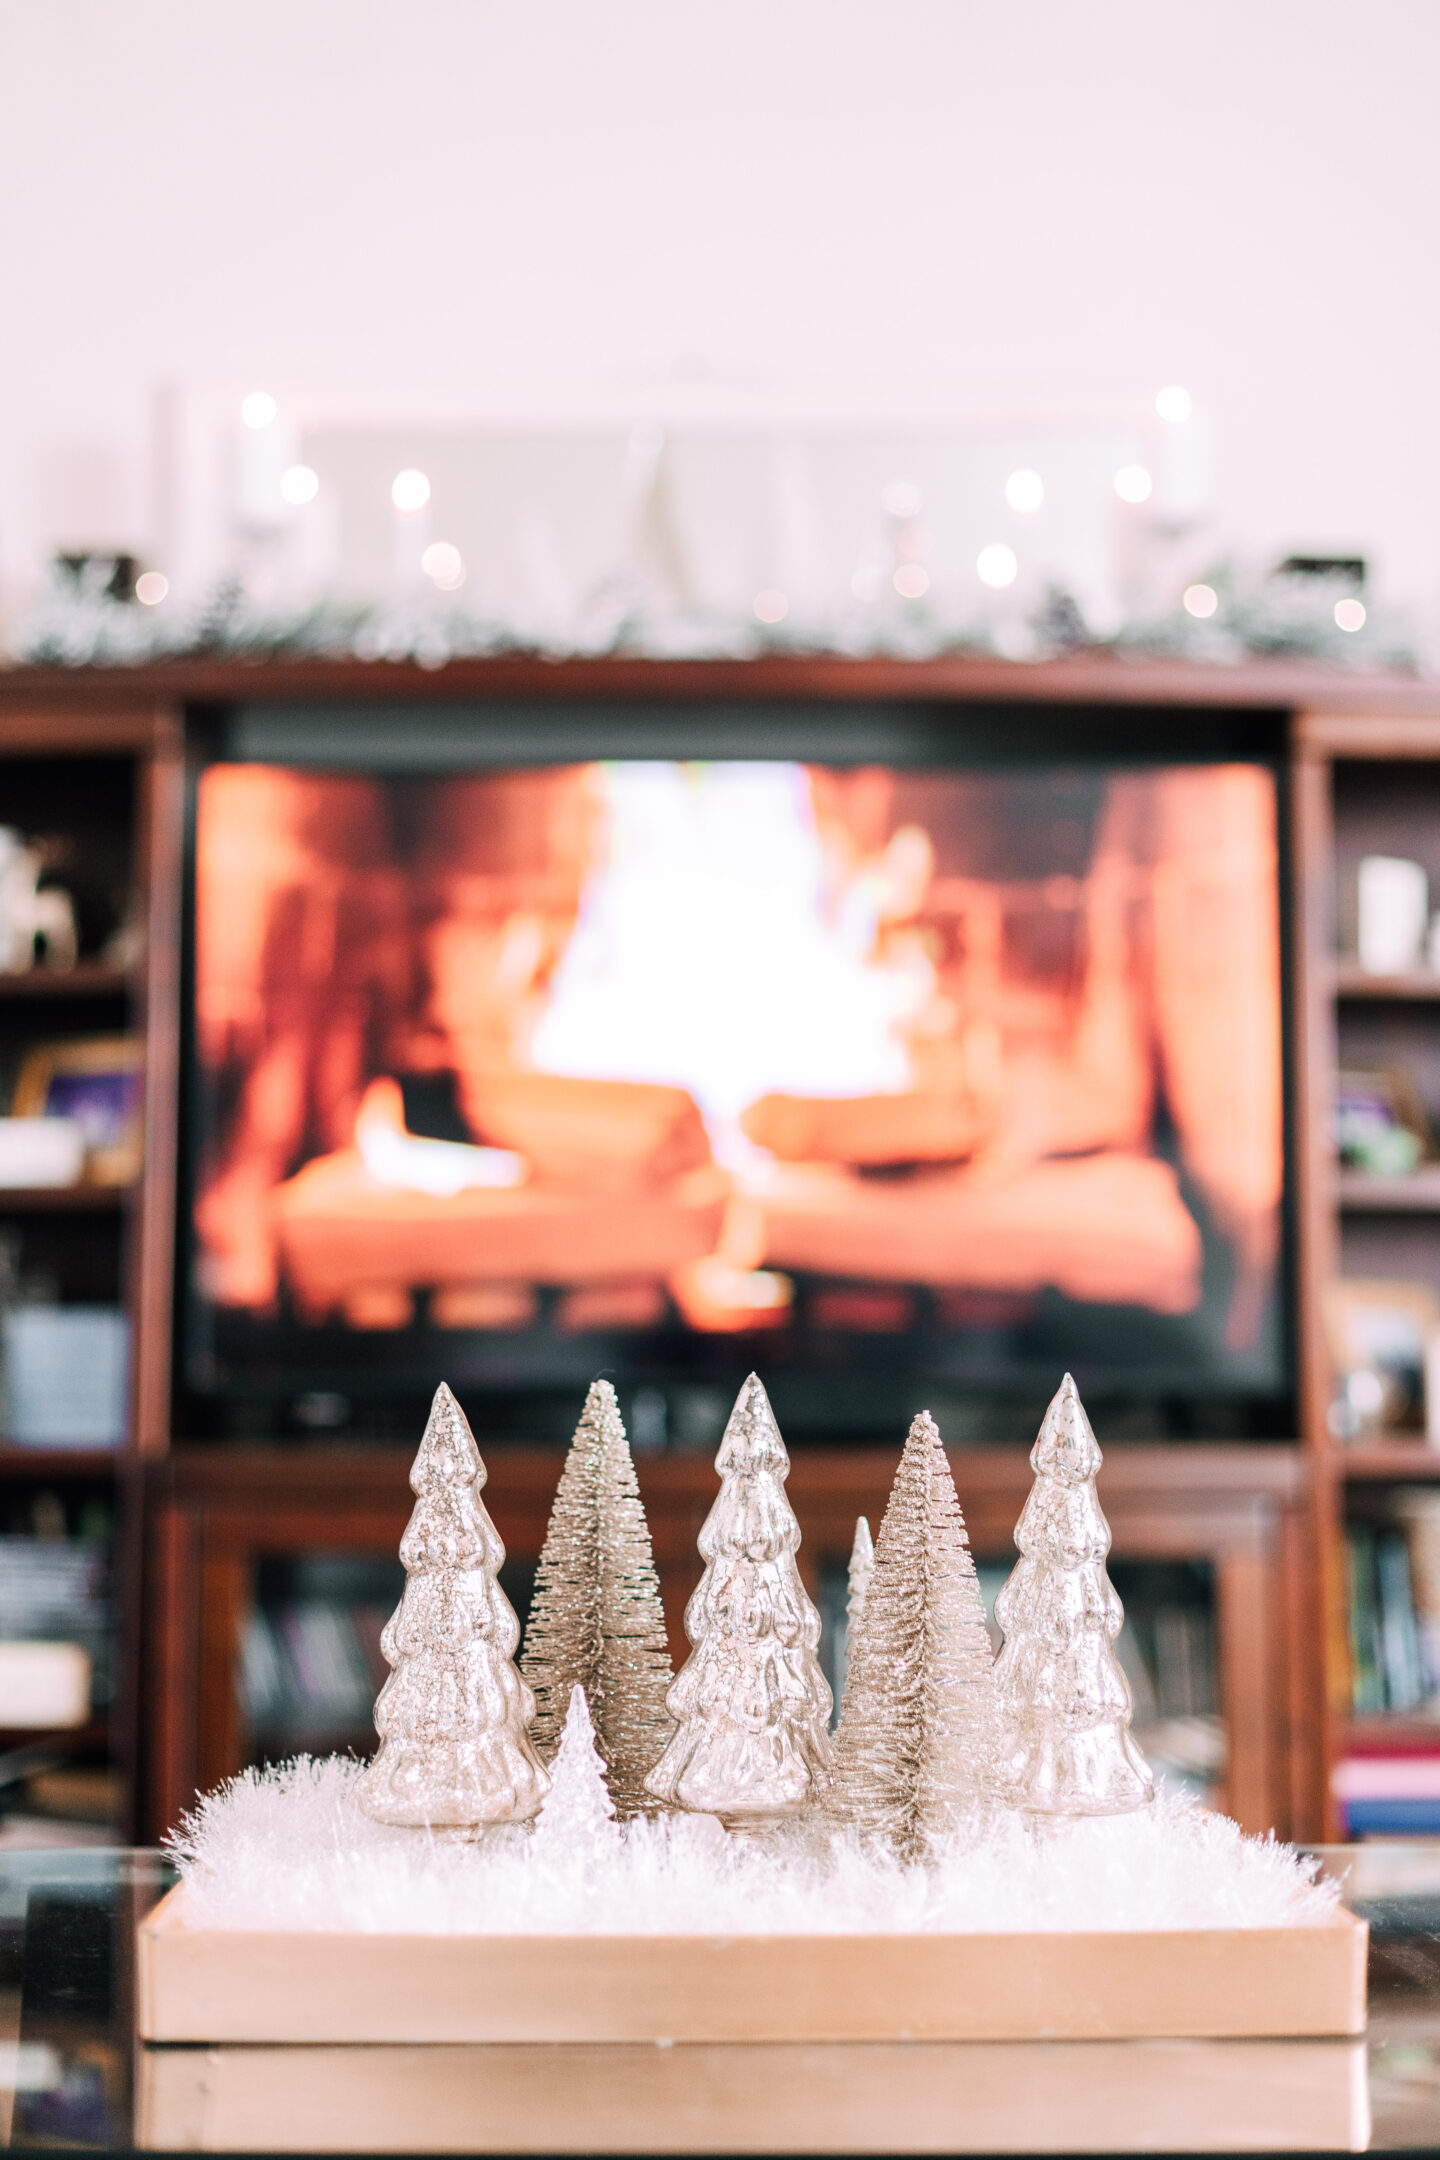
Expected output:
{"points": [[751, 1704], [454, 1753], [576, 1823], [915, 1748], [596, 1621], [1065, 1745]]}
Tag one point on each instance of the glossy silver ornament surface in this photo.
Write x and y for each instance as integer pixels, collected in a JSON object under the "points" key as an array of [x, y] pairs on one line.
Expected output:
{"points": [[454, 1752], [1065, 1745], [751, 1705]]}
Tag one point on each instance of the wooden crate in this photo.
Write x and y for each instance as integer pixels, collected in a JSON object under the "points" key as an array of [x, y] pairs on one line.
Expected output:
{"points": [[198, 1984]]}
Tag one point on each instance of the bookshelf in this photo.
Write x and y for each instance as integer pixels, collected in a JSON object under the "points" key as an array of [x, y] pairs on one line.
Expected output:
{"points": [[1359, 1193], [1370, 783], [1354, 985], [91, 784], [1406, 1462], [201, 1529]]}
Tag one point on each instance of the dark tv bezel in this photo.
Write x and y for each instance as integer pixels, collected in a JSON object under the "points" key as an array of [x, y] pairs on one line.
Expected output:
{"points": [[394, 740]]}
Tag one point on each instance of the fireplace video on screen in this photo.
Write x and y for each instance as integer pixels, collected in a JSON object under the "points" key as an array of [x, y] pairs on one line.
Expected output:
{"points": [[668, 1069]]}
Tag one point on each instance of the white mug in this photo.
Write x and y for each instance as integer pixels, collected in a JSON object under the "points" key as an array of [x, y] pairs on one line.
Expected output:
{"points": [[1393, 914]]}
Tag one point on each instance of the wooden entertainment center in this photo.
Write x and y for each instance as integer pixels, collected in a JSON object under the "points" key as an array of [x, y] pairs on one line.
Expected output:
{"points": [[195, 1521]]}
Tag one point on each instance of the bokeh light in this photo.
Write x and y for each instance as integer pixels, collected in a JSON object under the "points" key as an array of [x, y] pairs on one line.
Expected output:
{"points": [[300, 484], [997, 565], [410, 490], [901, 499], [1025, 491], [443, 564]]}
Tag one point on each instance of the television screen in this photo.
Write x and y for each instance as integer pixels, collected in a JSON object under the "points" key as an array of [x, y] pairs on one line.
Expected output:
{"points": [[906, 1085]]}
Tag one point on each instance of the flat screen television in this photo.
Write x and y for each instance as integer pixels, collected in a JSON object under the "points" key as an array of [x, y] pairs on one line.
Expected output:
{"points": [[908, 1074]]}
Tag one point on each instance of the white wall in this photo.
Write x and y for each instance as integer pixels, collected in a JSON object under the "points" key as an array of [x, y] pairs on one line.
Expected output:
{"points": [[414, 202]]}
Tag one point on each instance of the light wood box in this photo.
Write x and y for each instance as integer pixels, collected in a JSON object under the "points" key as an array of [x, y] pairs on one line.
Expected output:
{"points": [[198, 1984], [950, 2097]]}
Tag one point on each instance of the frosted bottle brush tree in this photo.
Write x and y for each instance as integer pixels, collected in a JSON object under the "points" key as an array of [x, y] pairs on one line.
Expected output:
{"points": [[596, 1621], [862, 1567], [1065, 1745], [751, 1704], [577, 1822], [915, 1749], [454, 1752]]}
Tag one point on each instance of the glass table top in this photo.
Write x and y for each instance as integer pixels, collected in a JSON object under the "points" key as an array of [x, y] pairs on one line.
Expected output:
{"points": [[73, 2078]]}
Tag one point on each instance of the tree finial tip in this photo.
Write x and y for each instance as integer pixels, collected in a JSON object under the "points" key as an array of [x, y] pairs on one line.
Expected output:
{"points": [[1066, 1444]]}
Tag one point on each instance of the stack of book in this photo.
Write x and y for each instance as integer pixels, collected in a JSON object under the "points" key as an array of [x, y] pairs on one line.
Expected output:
{"points": [[1390, 1652], [57, 1590], [1390, 1787], [1388, 1783], [310, 1671]]}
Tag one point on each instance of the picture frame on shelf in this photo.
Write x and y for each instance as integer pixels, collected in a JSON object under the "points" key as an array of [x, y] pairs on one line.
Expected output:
{"points": [[1384, 1343], [98, 1082]]}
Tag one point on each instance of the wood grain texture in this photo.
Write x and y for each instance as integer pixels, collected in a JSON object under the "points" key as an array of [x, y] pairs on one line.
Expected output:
{"points": [[878, 2097], [1387, 727], [48, 701], [159, 877], [1318, 1609], [1422, 987], [232, 1985]]}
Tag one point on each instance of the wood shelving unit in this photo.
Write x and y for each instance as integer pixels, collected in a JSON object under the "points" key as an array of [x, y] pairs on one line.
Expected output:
{"points": [[84, 1739], [1416, 1194], [52, 1465], [61, 1199], [1367, 781], [195, 1520], [102, 775], [1400, 1735], [1388, 1461], [1357, 985], [91, 978]]}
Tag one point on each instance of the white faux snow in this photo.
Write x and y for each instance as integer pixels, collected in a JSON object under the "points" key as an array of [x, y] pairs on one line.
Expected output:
{"points": [[289, 1849]]}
